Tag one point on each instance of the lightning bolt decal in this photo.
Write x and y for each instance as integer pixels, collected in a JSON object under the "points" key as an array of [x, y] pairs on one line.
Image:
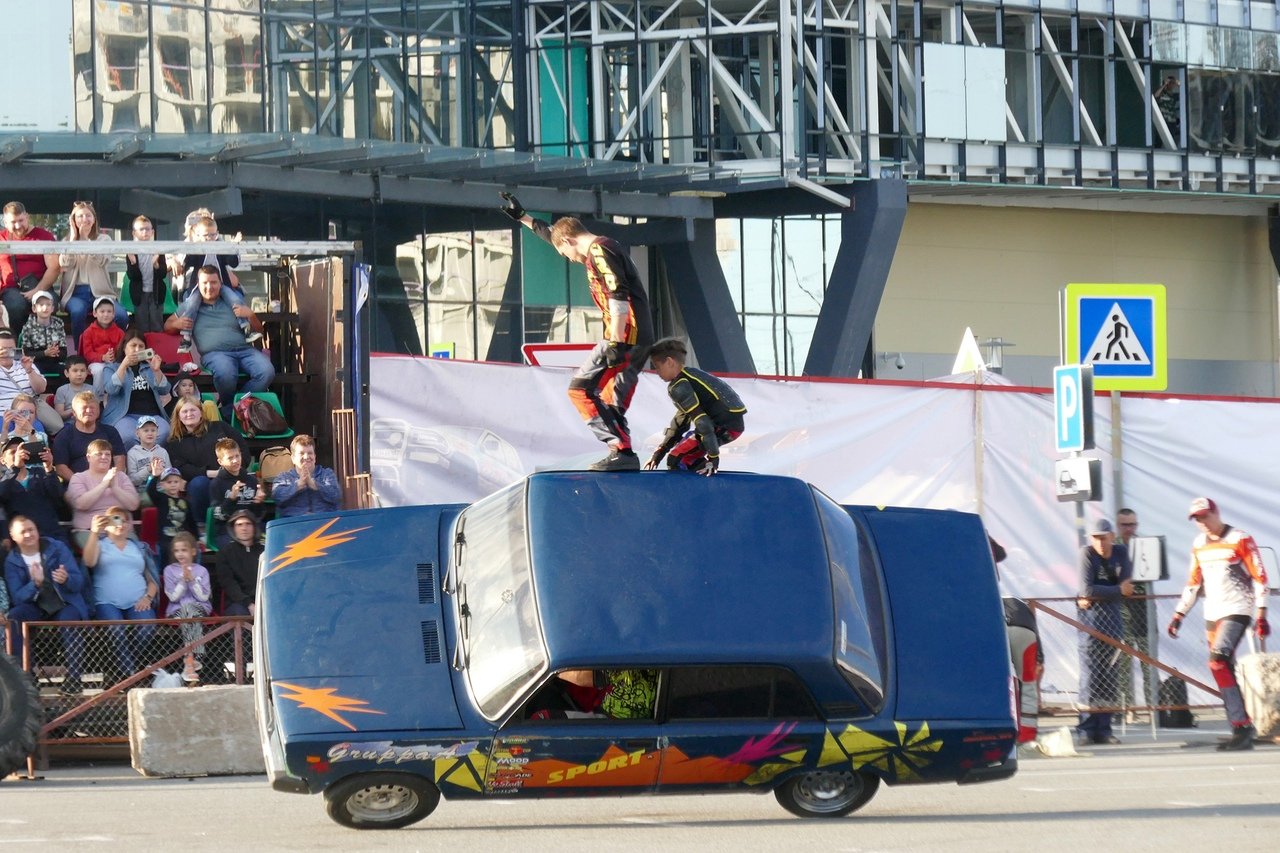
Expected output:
{"points": [[325, 701], [315, 544]]}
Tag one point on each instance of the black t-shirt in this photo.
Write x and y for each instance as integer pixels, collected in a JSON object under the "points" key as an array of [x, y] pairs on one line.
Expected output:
{"points": [[142, 400], [70, 445]]}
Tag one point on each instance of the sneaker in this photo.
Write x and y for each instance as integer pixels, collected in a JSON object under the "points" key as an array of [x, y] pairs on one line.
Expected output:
{"points": [[184, 347], [71, 687], [1107, 739], [1241, 738], [624, 460], [253, 337]]}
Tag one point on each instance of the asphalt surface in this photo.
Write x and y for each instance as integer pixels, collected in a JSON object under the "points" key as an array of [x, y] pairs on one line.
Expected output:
{"points": [[1174, 793]]}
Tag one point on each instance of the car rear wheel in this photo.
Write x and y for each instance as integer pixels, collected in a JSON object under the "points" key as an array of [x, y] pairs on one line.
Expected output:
{"points": [[827, 793], [381, 800], [20, 715]]}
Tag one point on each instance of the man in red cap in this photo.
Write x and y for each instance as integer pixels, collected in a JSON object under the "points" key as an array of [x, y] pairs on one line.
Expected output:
{"points": [[1225, 563]]}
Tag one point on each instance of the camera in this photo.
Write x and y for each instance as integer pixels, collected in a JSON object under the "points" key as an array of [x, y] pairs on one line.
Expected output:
{"points": [[147, 354], [115, 520]]}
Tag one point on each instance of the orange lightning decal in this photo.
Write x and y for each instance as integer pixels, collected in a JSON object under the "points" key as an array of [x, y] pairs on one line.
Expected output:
{"points": [[326, 701], [314, 544]]}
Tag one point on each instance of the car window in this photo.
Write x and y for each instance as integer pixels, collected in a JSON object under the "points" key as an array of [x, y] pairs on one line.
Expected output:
{"points": [[861, 638], [736, 692]]}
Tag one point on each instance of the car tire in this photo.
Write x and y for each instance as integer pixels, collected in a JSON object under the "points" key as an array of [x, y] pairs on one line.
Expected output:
{"points": [[381, 800], [827, 793], [20, 715]]}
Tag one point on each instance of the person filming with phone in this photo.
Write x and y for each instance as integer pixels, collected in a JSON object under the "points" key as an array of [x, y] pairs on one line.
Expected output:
{"points": [[29, 487], [136, 387]]}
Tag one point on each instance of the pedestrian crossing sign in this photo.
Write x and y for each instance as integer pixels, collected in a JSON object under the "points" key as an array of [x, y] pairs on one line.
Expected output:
{"points": [[1119, 329]]}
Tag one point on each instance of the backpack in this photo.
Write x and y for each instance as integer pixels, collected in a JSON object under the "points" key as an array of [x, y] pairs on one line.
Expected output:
{"points": [[1173, 691], [258, 416], [273, 462]]}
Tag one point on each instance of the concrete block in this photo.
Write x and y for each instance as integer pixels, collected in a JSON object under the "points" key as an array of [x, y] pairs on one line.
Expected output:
{"points": [[1259, 676], [201, 731]]}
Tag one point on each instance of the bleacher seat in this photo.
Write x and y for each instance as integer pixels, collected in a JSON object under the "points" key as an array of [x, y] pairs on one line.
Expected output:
{"points": [[166, 346]]}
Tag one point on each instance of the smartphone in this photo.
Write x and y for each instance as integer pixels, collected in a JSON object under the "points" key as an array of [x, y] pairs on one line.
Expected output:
{"points": [[34, 449]]}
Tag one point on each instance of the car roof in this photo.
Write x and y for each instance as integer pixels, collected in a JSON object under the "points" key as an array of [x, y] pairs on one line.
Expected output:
{"points": [[673, 568]]}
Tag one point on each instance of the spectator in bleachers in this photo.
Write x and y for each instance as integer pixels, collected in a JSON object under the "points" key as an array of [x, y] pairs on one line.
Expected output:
{"points": [[21, 421], [77, 373], [19, 376], [84, 277], [164, 487], [102, 486], [143, 457], [206, 230], [44, 583], [233, 489], [237, 567], [186, 583], [308, 487], [135, 388], [29, 487], [125, 582], [202, 227], [223, 349], [21, 276], [148, 281], [184, 388], [71, 445], [191, 444], [99, 341], [44, 338]]}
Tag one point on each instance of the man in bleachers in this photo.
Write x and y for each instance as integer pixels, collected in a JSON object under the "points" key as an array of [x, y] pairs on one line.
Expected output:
{"points": [[224, 351], [22, 275], [307, 487], [19, 375], [71, 445]]}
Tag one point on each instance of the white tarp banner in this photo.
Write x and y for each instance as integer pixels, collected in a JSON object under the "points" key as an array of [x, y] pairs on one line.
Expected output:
{"points": [[453, 431]]}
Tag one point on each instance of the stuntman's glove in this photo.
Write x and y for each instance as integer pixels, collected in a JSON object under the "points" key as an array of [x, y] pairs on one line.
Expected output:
{"points": [[654, 460], [614, 353], [512, 208], [712, 465], [1263, 627], [1174, 625]]}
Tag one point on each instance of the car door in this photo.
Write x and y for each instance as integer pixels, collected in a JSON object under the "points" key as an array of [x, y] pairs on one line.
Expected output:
{"points": [[735, 726]]}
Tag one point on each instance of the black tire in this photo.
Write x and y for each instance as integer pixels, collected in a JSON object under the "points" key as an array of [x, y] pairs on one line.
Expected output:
{"points": [[826, 793], [381, 800], [20, 716]]}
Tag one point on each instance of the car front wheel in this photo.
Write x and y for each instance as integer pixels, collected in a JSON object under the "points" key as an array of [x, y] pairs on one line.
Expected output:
{"points": [[381, 800], [827, 793]]}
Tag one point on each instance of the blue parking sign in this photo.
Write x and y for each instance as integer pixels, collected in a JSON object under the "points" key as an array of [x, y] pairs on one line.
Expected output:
{"points": [[1073, 408]]}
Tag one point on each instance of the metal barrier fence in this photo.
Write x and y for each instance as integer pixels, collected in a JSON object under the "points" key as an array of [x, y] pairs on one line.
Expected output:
{"points": [[84, 670], [1113, 656]]}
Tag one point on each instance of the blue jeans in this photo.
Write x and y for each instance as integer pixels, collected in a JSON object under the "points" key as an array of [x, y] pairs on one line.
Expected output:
{"points": [[226, 368], [198, 497], [79, 308], [72, 641], [134, 640]]}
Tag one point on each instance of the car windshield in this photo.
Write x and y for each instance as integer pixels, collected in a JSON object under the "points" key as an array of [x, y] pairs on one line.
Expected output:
{"points": [[498, 615]]}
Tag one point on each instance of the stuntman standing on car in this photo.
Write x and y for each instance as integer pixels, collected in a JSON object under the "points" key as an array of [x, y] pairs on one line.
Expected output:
{"points": [[602, 387], [1225, 563], [708, 412]]}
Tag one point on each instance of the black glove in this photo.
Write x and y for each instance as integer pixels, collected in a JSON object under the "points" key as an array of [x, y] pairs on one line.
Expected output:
{"points": [[614, 353], [1174, 625], [712, 465], [512, 208]]}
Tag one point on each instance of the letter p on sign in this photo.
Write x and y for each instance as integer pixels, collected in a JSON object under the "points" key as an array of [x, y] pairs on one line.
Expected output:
{"points": [[1073, 408]]}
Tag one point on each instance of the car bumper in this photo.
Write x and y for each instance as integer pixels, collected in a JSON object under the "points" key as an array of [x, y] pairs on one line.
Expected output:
{"points": [[990, 773]]}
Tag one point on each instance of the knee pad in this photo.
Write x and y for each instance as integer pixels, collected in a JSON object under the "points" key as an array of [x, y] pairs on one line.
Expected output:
{"points": [[1223, 672]]}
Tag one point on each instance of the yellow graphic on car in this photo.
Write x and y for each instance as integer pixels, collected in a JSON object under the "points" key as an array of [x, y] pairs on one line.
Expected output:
{"points": [[899, 760], [325, 700], [315, 544]]}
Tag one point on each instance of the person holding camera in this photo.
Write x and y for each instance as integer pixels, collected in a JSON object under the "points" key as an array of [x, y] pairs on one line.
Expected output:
{"points": [[29, 487], [136, 387], [20, 376], [92, 491]]}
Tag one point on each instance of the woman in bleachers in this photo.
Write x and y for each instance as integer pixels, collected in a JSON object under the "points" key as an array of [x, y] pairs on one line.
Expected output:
{"points": [[191, 449], [135, 388], [84, 277], [125, 581], [97, 488]]}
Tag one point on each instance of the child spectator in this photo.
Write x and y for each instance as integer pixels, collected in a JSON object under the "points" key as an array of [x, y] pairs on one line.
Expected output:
{"points": [[98, 342], [186, 389], [164, 487], [206, 230], [77, 373], [232, 489], [92, 491], [238, 564], [44, 338], [143, 456], [186, 583], [20, 376], [148, 281], [28, 487]]}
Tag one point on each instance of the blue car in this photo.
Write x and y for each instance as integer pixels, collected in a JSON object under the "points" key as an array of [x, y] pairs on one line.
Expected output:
{"points": [[629, 633]]}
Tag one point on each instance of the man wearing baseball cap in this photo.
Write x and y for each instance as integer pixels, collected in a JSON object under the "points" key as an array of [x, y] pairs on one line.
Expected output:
{"points": [[1226, 565]]}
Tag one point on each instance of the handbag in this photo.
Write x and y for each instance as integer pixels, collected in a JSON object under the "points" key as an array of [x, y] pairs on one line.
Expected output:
{"points": [[28, 283], [257, 416], [49, 600]]}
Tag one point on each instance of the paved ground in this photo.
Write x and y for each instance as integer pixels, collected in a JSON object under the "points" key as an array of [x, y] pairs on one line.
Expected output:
{"points": [[1172, 794]]}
